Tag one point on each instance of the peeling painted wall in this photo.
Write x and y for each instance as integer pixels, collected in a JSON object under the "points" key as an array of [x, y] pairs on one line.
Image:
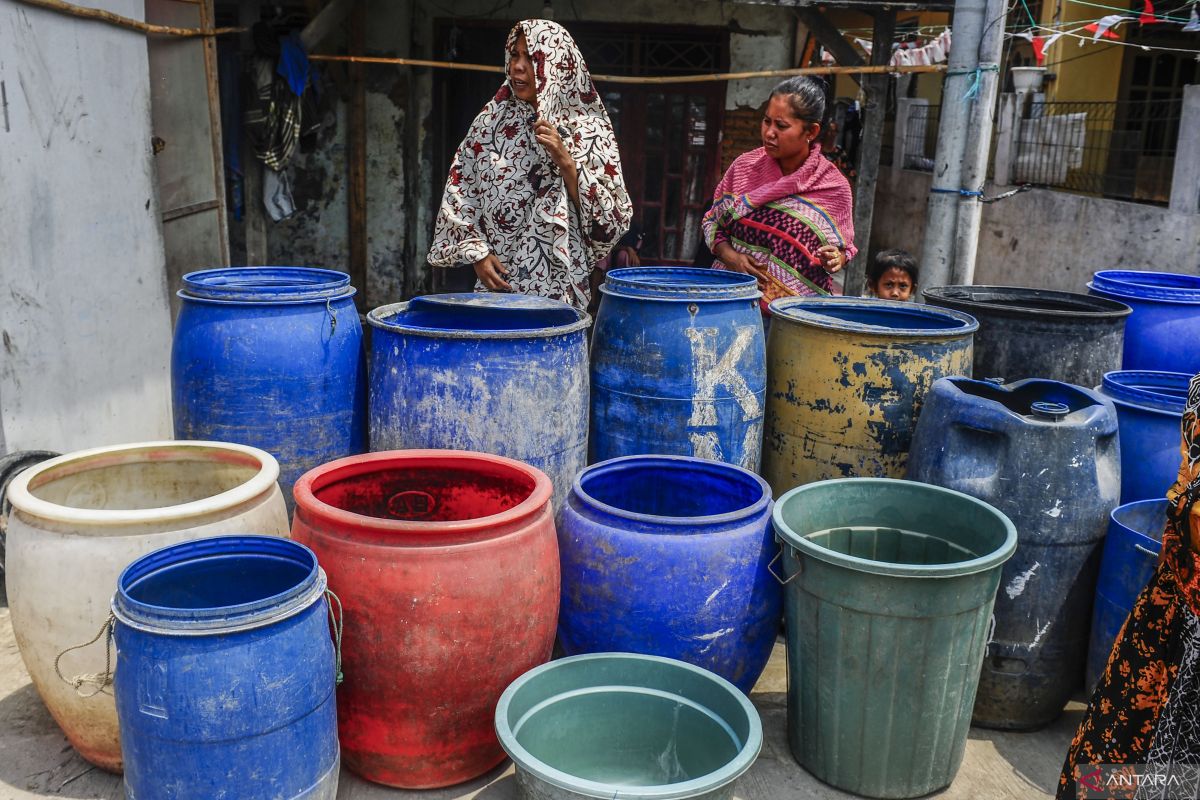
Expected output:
{"points": [[86, 330], [1045, 239]]}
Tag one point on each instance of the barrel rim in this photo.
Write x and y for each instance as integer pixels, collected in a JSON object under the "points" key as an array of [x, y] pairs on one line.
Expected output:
{"points": [[305, 488], [294, 285], [723, 776], [220, 620], [1144, 399], [22, 498], [672, 462], [1108, 309], [1125, 509], [790, 309], [623, 282], [1113, 282], [378, 318], [993, 560]]}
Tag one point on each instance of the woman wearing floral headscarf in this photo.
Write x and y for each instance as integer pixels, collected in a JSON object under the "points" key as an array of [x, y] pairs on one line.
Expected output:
{"points": [[535, 195], [1145, 710]]}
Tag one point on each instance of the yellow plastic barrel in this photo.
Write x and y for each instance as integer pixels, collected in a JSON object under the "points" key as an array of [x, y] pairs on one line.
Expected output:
{"points": [[846, 378]]}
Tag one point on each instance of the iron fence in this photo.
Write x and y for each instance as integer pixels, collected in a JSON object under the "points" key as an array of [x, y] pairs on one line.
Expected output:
{"points": [[1122, 150], [920, 137]]}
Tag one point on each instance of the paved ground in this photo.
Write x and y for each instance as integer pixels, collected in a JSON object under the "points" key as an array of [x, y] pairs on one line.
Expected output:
{"points": [[36, 761]]}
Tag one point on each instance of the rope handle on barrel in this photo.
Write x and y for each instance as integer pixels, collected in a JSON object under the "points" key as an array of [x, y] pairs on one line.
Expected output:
{"points": [[100, 680], [771, 563], [1146, 551], [337, 622], [332, 317]]}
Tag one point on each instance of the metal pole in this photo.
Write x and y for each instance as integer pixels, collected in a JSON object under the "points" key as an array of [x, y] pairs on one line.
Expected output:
{"points": [[937, 250], [979, 143]]}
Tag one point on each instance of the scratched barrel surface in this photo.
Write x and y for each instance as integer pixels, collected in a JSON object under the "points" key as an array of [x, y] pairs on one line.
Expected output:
{"points": [[225, 672], [504, 374], [848, 378], [678, 366], [669, 556], [271, 357], [1046, 454]]}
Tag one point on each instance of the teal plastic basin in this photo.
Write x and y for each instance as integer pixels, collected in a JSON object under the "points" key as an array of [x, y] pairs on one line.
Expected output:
{"points": [[620, 726]]}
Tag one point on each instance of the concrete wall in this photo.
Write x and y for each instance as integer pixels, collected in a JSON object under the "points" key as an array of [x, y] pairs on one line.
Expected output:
{"points": [[1045, 239], [83, 304]]}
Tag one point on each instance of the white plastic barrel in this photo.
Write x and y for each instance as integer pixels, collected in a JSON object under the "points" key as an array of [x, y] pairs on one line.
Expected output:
{"points": [[79, 519]]}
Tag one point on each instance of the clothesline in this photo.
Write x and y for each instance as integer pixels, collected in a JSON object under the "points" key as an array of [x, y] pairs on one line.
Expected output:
{"points": [[648, 80]]}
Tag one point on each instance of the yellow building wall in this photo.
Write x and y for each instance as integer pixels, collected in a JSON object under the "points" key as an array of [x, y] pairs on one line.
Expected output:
{"points": [[1096, 76]]}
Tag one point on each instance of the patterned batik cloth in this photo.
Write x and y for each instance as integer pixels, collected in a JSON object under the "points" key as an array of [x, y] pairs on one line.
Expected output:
{"points": [[1145, 710], [504, 194], [782, 220]]}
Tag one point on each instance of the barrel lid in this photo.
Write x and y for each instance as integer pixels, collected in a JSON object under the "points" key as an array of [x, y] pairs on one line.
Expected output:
{"points": [[266, 285], [1019, 301], [480, 315], [1148, 390], [247, 565], [883, 317], [1167, 287], [680, 284]]}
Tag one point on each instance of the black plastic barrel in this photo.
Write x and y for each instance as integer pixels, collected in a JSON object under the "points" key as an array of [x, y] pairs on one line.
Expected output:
{"points": [[1039, 333]]}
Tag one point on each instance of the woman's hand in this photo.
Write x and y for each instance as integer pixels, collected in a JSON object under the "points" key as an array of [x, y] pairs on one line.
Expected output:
{"points": [[549, 138], [832, 258], [489, 269], [740, 262]]}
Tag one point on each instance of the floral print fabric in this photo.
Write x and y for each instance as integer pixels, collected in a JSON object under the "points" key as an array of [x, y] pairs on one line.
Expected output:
{"points": [[504, 194], [1145, 708]]}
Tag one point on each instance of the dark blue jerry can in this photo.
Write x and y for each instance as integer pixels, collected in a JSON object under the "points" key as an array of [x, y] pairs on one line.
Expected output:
{"points": [[1046, 454], [495, 373], [1131, 552], [669, 556], [225, 673], [271, 357], [678, 366]]}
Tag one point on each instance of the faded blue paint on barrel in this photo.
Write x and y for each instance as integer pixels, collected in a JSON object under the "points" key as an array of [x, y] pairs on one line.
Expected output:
{"points": [[669, 556], [271, 357], [1046, 454], [1130, 555], [1166, 312], [1150, 413], [225, 673], [495, 373], [678, 365]]}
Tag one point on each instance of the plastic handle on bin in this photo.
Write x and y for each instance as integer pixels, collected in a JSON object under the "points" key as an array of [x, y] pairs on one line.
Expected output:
{"points": [[1146, 551], [780, 580]]}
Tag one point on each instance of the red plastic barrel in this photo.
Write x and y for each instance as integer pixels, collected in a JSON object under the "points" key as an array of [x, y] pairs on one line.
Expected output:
{"points": [[446, 563]]}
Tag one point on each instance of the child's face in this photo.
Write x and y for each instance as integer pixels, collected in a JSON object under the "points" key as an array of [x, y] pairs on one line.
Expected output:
{"points": [[895, 284]]}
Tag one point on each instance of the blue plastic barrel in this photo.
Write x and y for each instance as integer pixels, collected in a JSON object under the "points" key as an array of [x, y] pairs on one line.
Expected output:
{"points": [[1150, 413], [678, 365], [1165, 318], [494, 373], [1130, 554], [225, 672], [271, 357], [668, 556], [1046, 454]]}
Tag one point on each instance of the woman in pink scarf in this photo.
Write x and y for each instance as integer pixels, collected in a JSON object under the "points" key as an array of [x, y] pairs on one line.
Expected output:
{"points": [[783, 213], [535, 195]]}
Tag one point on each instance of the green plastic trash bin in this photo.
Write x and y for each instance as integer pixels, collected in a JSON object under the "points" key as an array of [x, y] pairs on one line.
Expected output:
{"points": [[890, 586]]}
